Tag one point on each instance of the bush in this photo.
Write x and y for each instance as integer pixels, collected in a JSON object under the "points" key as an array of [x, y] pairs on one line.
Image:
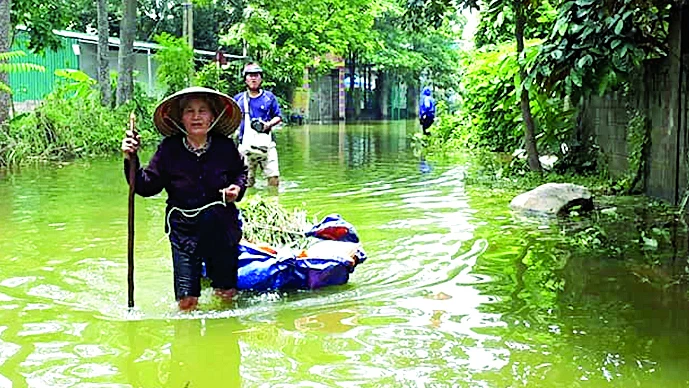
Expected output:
{"points": [[491, 116], [175, 62], [228, 81], [71, 123]]}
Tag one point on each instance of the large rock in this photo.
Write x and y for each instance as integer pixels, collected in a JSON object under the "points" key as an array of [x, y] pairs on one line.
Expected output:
{"points": [[553, 199]]}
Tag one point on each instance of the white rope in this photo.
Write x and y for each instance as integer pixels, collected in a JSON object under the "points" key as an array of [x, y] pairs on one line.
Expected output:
{"points": [[176, 125], [217, 119], [191, 213]]}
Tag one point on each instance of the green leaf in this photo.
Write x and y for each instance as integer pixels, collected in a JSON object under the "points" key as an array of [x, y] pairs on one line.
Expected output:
{"points": [[585, 60], [619, 26], [562, 27], [576, 78]]}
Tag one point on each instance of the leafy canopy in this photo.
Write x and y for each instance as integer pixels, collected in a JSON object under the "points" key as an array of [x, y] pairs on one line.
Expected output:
{"points": [[594, 44]]}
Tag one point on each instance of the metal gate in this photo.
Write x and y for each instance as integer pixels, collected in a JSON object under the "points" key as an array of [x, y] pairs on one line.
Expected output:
{"points": [[324, 104]]}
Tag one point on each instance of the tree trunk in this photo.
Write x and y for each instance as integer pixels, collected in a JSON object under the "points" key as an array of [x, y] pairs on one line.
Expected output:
{"points": [[126, 59], [529, 126], [412, 97], [364, 86], [103, 53], [5, 40], [382, 95], [350, 101]]}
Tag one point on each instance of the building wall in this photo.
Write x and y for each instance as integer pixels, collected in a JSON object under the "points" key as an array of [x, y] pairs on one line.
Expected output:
{"points": [[32, 85], [145, 66], [321, 99]]}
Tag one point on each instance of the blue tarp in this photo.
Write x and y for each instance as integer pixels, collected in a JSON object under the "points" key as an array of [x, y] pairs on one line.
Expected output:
{"points": [[328, 261]]}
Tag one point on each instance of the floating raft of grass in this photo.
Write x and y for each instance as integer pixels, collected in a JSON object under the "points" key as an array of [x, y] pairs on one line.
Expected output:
{"points": [[281, 250], [266, 221]]}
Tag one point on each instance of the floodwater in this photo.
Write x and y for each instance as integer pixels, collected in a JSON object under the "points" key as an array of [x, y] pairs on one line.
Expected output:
{"points": [[457, 291]]}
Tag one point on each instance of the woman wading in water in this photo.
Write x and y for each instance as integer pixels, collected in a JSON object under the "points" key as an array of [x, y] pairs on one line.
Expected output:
{"points": [[199, 167]]}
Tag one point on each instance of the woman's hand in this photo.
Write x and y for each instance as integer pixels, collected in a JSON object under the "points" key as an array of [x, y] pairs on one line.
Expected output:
{"points": [[231, 193], [130, 143]]}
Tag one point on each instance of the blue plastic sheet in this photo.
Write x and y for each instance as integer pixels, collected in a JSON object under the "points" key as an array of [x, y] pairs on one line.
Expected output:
{"points": [[334, 227], [327, 262]]}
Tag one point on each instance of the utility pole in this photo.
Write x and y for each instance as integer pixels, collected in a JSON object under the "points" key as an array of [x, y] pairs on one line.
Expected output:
{"points": [[188, 31], [188, 23]]}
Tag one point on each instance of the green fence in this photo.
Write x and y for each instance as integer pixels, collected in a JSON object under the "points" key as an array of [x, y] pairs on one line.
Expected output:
{"points": [[33, 85]]}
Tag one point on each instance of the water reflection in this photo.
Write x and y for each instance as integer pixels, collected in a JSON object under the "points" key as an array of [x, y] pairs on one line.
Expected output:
{"points": [[192, 353], [424, 167]]}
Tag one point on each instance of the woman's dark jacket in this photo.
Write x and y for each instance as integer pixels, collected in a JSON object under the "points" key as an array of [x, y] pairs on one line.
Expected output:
{"points": [[192, 181]]}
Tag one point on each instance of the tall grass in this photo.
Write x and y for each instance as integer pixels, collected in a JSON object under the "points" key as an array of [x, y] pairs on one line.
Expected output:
{"points": [[71, 123]]}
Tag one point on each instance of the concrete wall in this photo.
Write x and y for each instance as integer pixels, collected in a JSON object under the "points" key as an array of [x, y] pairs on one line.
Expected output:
{"points": [[321, 99], [662, 95], [145, 66]]}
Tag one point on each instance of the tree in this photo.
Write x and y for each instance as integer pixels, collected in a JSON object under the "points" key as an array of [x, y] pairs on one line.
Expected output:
{"points": [[409, 54], [496, 23], [433, 12], [175, 62], [595, 44], [40, 18], [288, 37], [529, 126], [5, 43], [125, 59], [103, 53]]}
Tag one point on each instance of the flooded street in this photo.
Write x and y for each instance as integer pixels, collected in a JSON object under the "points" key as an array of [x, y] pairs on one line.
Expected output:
{"points": [[457, 290]]}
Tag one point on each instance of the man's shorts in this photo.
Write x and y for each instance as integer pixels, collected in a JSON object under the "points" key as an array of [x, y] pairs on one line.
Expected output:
{"points": [[426, 121], [268, 163]]}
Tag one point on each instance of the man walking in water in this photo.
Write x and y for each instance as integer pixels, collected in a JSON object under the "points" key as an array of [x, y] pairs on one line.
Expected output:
{"points": [[426, 110], [260, 114]]}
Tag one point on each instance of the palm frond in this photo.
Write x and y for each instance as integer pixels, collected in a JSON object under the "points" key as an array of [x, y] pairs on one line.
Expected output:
{"points": [[21, 67], [11, 54]]}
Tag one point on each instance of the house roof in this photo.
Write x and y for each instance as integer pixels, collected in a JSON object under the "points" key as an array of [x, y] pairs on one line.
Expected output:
{"points": [[138, 45]]}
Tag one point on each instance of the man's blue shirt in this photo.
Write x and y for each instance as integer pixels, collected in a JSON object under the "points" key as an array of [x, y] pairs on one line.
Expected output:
{"points": [[265, 107]]}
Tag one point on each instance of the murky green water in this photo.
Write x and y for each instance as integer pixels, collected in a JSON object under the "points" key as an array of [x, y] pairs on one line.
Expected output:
{"points": [[457, 291]]}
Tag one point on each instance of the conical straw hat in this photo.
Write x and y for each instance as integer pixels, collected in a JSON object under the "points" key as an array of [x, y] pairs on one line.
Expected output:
{"points": [[168, 115]]}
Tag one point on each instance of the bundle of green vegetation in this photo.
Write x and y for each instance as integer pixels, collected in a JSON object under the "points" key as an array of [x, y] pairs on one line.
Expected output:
{"points": [[265, 221]]}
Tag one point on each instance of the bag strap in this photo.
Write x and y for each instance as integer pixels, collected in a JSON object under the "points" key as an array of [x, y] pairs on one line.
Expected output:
{"points": [[247, 116], [247, 112]]}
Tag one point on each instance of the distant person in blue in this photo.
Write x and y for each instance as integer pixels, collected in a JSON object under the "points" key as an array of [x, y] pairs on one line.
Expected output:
{"points": [[260, 114], [426, 110]]}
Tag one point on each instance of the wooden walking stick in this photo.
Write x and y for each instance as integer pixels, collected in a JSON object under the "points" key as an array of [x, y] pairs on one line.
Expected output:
{"points": [[130, 227]]}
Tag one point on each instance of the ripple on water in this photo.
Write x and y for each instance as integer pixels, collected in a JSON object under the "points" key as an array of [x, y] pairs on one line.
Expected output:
{"points": [[7, 349], [17, 281]]}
